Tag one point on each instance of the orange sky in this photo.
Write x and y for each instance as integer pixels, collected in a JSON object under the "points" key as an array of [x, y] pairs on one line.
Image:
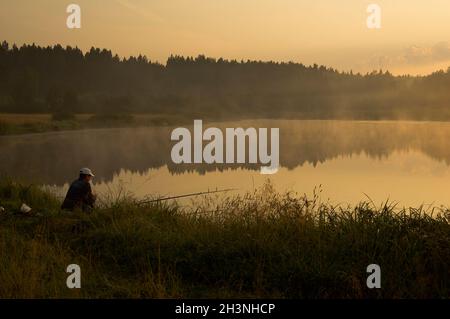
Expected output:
{"points": [[414, 37]]}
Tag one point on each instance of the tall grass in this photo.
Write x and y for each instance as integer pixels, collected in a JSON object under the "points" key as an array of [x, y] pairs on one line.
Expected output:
{"points": [[262, 244]]}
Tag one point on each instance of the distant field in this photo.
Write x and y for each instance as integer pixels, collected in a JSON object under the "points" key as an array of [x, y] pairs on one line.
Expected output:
{"points": [[26, 123], [26, 118], [17, 118]]}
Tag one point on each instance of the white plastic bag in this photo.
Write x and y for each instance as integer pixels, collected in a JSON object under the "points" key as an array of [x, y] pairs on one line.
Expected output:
{"points": [[25, 208]]}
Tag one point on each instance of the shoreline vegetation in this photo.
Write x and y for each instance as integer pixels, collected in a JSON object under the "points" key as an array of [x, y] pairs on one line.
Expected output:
{"points": [[64, 81], [18, 124], [259, 245]]}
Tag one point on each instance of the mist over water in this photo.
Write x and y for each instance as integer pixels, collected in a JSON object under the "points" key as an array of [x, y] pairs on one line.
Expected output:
{"points": [[405, 161]]}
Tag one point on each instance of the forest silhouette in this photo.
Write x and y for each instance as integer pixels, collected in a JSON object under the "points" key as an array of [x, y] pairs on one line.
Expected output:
{"points": [[35, 79]]}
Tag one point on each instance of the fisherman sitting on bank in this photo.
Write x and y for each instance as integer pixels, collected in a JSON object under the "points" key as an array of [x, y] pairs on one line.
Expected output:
{"points": [[79, 195]]}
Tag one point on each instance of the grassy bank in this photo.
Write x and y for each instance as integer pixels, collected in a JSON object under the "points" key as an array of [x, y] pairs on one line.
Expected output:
{"points": [[39, 123], [27, 123], [263, 244]]}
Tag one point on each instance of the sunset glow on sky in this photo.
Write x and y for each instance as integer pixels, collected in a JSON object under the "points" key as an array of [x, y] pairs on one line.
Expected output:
{"points": [[414, 37]]}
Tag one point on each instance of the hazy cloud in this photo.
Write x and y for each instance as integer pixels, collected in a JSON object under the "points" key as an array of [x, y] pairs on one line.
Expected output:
{"points": [[436, 53], [412, 56], [144, 13]]}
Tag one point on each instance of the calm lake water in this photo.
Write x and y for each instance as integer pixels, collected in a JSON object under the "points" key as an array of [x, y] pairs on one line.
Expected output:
{"points": [[406, 162]]}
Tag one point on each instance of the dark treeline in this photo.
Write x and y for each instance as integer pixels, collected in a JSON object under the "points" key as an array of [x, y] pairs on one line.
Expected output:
{"points": [[56, 79]]}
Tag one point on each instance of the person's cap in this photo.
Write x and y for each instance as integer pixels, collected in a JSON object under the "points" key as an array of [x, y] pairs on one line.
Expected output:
{"points": [[86, 171]]}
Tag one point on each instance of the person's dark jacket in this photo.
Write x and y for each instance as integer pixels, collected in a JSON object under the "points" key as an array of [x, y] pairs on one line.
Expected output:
{"points": [[79, 196]]}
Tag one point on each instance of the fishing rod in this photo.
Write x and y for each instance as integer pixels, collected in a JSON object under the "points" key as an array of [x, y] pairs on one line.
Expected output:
{"points": [[188, 195]]}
